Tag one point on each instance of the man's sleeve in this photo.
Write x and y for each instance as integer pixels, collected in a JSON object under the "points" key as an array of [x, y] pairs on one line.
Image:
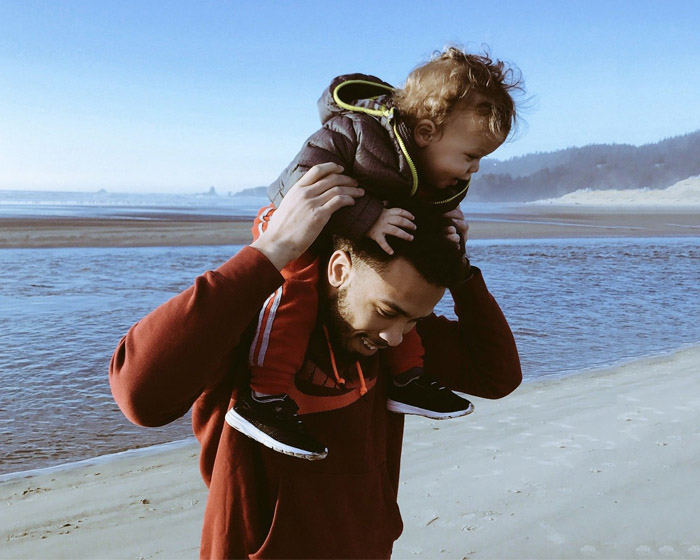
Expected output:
{"points": [[476, 354], [169, 357]]}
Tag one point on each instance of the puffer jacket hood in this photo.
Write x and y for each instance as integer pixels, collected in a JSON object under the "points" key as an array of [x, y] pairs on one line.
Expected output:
{"points": [[355, 92]]}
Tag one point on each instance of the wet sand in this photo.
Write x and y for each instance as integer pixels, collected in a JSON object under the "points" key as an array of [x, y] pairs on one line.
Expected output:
{"points": [[529, 223], [92, 232]]}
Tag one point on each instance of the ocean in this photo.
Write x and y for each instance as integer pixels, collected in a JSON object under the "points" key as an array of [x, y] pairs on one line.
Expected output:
{"points": [[573, 305]]}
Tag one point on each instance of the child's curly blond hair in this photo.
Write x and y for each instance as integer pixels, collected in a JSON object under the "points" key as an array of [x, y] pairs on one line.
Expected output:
{"points": [[456, 79]]}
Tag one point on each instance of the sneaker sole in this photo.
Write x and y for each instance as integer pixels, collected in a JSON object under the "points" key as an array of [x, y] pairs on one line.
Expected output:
{"points": [[403, 408], [239, 423]]}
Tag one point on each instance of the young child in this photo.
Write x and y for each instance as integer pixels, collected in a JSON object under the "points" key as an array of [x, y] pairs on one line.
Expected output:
{"points": [[416, 147]]}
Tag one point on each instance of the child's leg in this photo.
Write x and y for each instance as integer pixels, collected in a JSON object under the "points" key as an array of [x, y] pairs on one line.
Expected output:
{"points": [[285, 322], [276, 354], [407, 355], [414, 391]]}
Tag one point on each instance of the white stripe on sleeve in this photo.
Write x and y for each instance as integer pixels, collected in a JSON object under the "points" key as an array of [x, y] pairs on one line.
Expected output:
{"points": [[268, 326], [251, 354]]}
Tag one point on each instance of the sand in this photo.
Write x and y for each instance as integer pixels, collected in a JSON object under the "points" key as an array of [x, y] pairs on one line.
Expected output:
{"points": [[602, 464], [531, 222], [93, 232]]}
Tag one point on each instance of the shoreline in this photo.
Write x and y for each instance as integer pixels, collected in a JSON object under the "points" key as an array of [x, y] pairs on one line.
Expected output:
{"points": [[191, 230], [141, 452], [191, 441], [566, 468]]}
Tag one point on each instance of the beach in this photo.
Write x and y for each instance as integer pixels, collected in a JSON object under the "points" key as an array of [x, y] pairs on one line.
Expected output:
{"points": [[602, 464], [144, 139], [533, 222], [597, 464]]}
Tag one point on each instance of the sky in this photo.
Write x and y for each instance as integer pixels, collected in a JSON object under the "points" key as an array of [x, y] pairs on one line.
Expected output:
{"points": [[179, 96]]}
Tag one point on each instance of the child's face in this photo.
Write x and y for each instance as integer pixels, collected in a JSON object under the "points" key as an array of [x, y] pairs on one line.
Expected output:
{"points": [[453, 154]]}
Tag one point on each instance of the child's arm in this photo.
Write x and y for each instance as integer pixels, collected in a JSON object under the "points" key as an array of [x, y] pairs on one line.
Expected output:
{"points": [[338, 141]]}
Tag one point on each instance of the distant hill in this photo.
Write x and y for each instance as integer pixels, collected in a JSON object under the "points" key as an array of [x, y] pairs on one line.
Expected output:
{"points": [[596, 167], [252, 191]]}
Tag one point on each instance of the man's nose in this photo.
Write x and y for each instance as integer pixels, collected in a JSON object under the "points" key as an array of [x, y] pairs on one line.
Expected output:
{"points": [[474, 167], [392, 336]]}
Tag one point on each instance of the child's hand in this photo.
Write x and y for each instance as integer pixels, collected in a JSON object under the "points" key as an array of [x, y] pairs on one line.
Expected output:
{"points": [[392, 221], [458, 233], [460, 229]]}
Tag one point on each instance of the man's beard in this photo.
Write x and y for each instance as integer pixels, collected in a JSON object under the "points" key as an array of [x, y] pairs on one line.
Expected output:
{"points": [[339, 329]]}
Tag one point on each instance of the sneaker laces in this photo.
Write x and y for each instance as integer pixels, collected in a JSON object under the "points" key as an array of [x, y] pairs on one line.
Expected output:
{"points": [[430, 381], [286, 409]]}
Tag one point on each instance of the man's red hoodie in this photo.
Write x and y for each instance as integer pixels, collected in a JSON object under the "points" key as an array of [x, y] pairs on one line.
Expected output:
{"points": [[192, 352]]}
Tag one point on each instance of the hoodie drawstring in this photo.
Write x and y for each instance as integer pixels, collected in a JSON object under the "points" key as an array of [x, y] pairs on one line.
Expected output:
{"points": [[339, 380], [363, 385]]}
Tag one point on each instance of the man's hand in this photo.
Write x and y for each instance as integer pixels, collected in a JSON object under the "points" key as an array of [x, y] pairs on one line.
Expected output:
{"points": [[392, 221], [305, 211], [460, 227]]}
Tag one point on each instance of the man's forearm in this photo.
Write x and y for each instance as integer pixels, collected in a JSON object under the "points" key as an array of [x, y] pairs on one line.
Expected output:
{"points": [[167, 359], [476, 354]]}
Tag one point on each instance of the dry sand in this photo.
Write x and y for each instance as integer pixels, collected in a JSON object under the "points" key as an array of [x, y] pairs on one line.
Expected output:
{"points": [[531, 222], [598, 465]]}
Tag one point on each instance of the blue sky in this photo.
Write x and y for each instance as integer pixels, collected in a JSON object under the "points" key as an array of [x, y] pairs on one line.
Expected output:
{"points": [[178, 96]]}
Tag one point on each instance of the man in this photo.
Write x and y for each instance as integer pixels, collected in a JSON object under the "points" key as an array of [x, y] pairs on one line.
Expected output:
{"points": [[193, 351]]}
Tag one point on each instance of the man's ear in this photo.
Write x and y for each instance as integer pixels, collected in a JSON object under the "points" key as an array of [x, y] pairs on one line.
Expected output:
{"points": [[339, 266], [424, 132]]}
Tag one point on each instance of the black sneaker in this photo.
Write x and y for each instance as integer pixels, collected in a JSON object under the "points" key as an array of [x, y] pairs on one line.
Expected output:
{"points": [[423, 395], [273, 421]]}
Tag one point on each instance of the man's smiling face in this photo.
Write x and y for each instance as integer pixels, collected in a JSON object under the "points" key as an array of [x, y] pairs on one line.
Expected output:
{"points": [[371, 309]]}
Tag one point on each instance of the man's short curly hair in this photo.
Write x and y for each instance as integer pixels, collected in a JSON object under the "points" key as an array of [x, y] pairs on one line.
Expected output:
{"points": [[454, 79], [437, 259]]}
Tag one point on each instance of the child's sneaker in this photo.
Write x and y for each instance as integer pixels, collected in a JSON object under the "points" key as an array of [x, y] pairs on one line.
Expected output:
{"points": [[417, 392], [273, 421]]}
